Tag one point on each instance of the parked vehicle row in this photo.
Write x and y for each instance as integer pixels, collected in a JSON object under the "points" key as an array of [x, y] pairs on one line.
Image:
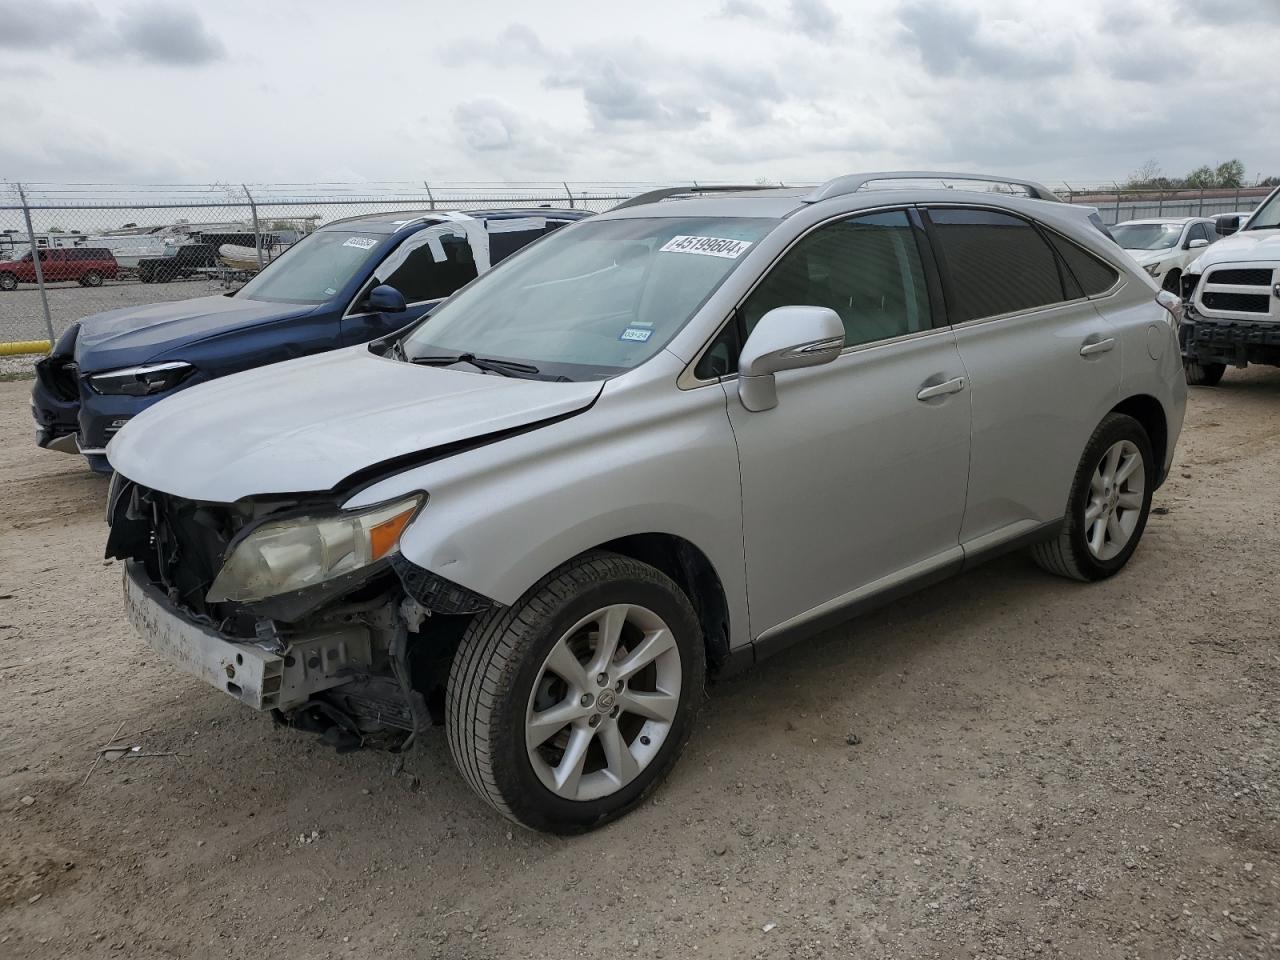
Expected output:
{"points": [[349, 282], [661, 443]]}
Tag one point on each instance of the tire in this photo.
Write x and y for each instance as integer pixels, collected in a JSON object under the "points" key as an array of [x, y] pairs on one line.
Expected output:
{"points": [[1203, 374], [502, 678], [1076, 552], [8, 281], [91, 278], [1173, 282]]}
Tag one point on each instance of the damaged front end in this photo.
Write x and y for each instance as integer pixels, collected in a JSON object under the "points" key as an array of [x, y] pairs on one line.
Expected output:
{"points": [[356, 646]]}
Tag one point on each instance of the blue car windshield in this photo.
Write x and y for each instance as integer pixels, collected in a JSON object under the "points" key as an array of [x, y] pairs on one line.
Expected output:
{"points": [[314, 269], [593, 299]]}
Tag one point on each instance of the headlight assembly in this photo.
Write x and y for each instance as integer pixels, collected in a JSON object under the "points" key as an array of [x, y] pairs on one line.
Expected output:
{"points": [[285, 555], [141, 381]]}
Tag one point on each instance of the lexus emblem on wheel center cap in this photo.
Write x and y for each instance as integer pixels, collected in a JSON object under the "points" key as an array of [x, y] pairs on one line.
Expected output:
{"points": [[604, 702]]}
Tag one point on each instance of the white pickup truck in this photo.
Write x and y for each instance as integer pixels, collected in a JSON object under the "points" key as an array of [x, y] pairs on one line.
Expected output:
{"points": [[1232, 292]]}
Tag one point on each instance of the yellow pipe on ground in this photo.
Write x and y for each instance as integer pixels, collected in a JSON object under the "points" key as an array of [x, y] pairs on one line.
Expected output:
{"points": [[22, 347]]}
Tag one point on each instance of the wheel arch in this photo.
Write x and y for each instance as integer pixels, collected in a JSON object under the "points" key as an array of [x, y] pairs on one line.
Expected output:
{"points": [[1150, 413], [694, 573]]}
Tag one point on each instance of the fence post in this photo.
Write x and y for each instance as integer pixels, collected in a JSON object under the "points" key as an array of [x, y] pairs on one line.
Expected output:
{"points": [[568, 193], [1160, 205], [431, 200], [257, 234], [1200, 212], [35, 262]]}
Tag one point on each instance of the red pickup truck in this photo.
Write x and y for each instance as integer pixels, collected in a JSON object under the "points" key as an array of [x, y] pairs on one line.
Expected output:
{"points": [[87, 265]]}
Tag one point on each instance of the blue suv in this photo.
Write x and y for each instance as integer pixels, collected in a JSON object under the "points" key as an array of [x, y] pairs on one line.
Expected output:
{"points": [[348, 282]]}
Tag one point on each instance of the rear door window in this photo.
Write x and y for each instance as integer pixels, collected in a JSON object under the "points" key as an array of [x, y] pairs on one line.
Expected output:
{"points": [[996, 263]]}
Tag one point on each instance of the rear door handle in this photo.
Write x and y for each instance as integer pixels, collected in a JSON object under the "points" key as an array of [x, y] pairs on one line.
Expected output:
{"points": [[941, 389], [1097, 346]]}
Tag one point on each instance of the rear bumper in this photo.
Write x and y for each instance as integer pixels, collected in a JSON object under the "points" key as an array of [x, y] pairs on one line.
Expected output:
{"points": [[262, 676], [1232, 342]]}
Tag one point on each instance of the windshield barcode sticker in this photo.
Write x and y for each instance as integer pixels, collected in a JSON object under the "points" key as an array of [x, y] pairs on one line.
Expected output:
{"points": [[636, 335], [706, 246], [364, 243]]}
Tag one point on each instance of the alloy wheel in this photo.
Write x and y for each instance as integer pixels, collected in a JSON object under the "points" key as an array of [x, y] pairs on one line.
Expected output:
{"points": [[604, 702], [1116, 492]]}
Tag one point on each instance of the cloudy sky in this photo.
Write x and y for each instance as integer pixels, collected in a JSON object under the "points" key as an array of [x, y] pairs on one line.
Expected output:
{"points": [[165, 91]]}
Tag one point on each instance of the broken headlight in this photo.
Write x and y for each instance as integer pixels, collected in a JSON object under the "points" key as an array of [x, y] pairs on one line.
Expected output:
{"points": [[285, 555], [141, 381]]}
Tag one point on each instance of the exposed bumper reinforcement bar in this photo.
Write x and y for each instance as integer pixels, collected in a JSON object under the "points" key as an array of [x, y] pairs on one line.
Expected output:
{"points": [[254, 674]]}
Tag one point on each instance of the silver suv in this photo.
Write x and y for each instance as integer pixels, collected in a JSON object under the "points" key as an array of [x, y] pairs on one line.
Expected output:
{"points": [[661, 443]]}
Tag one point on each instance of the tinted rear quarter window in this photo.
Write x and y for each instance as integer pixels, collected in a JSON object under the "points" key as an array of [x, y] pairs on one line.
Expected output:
{"points": [[1092, 274], [996, 263]]}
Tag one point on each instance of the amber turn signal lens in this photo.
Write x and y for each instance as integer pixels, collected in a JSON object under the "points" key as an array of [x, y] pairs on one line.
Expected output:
{"points": [[384, 537]]}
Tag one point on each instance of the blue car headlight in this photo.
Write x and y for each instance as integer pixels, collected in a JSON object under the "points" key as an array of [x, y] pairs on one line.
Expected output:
{"points": [[141, 381]]}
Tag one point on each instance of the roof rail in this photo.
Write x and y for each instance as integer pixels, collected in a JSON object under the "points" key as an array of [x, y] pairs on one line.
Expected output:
{"points": [[653, 196], [856, 181]]}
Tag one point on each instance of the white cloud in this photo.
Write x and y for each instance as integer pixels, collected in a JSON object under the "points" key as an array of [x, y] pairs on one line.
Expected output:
{"points": [[714, 89]]}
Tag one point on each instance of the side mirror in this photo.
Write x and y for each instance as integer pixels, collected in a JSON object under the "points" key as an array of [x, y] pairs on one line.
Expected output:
{"points": [[1197, 244], [784, 339], [385, 298], [1225, 228]]}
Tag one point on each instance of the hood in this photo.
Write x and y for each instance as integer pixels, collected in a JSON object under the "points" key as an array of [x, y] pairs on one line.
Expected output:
{"points": [[132, 335], [1243, 247], [1150, 256], [308, 424]]}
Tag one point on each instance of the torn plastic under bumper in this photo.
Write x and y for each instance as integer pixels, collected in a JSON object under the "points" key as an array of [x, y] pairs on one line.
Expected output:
{"points": [[262, 676]]}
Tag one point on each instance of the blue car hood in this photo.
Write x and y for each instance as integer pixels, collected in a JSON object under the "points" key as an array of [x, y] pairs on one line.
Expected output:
{"points": [[133, 335]]}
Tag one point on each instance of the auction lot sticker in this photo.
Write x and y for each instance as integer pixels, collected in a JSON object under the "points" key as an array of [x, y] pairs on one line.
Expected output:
{"points": [[706, 246], [364, 243]]}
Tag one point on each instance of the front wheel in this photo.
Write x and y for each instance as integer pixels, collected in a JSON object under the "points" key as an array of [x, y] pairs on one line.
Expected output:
{"points": [[8, 281], [1109, 502], [1203, 374], [91, 278], [567, 708]]}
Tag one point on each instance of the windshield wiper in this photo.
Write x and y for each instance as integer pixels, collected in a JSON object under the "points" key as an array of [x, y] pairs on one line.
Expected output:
{"points": [[507, 368]]}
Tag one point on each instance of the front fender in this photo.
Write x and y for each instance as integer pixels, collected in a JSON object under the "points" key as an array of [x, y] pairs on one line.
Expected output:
{"points": [[649, 459]]}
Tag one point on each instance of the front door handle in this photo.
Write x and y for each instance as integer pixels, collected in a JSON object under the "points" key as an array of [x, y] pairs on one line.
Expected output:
{"points": [[941, 389], [1097, 346]]}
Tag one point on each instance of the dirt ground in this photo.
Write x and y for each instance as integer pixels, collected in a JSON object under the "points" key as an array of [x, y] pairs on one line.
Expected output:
{"points": [[1007, 765]]}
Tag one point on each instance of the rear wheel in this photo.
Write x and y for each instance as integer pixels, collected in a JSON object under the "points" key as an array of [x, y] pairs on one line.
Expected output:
{"points": [[1109, 502], [91, 278], [8, 281], [1203, 374], [567, 708]]}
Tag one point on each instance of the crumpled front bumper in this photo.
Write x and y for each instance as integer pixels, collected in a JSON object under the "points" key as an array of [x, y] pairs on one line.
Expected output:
{"points": [[265, 676]]}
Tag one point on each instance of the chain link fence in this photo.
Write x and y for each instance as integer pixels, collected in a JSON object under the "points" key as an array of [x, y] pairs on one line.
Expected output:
{"points": [[105, 248], [100, 247]]}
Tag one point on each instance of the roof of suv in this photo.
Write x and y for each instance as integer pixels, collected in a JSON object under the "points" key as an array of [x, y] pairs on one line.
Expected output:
{"points": [[395, 220], [901, 186]]}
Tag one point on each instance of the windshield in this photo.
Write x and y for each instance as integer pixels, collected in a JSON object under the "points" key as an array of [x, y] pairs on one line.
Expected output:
{"points": [[314, 269], [1266, 217], [591, 300], [1147, 236]]}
